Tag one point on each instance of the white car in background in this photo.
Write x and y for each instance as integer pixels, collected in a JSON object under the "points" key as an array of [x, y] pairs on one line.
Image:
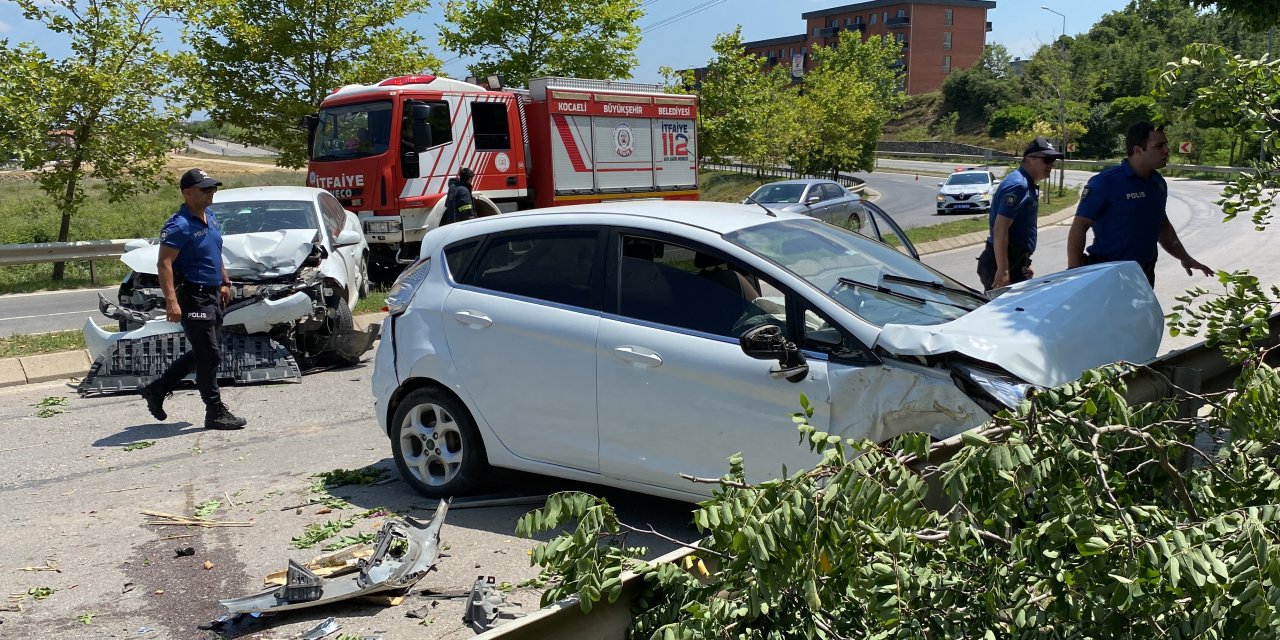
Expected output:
{"points": [[625, 343], [967, 191]]}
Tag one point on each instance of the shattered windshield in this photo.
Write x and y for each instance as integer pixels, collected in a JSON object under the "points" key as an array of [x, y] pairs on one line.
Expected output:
{"points": [[851, 269], [253, 216], [352, 131]]}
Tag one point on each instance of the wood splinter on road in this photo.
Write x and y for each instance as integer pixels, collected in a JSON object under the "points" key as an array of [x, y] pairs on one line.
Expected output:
{"points": [[189, 521]]}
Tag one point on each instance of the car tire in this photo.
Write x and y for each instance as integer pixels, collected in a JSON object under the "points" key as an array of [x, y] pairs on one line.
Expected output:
{"points": [[343, 321], [364, 277], [855, 223], [942, 212], [435, 444]]}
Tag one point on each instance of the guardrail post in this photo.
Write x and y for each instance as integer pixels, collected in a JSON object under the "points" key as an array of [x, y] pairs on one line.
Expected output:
{"points": [[92, 276]]}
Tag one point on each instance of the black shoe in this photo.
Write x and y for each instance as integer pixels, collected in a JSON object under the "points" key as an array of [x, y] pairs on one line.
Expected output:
{"points": [[155, 401], [218, 416]]}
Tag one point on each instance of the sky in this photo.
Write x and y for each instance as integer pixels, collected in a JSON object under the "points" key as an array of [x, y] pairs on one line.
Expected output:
{"points": [[681, 41]]}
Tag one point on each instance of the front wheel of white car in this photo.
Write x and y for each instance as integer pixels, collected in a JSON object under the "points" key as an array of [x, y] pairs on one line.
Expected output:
{"points": [[435, 444]]}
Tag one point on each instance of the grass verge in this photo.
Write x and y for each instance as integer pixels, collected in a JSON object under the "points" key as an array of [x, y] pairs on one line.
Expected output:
{"points": [[36, 344], [372, 303]]}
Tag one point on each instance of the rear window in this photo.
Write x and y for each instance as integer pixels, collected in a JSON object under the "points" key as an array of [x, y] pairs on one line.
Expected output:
{"points": [[552, 266]]}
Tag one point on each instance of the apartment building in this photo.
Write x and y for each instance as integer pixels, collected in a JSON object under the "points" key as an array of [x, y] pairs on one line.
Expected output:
{"points": [[937, 36]]}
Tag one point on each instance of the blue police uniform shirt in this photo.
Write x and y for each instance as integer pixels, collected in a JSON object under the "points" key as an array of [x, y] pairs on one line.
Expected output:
{"points": [[1128, 212], [1018, 199], [199, 247]]}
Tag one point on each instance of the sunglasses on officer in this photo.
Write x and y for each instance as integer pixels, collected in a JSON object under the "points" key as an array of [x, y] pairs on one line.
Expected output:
{"points": [[213, 189], [1045, 159]]}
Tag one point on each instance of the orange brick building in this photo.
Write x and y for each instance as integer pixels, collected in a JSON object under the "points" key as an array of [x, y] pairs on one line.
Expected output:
{"points": [[936, 36]]}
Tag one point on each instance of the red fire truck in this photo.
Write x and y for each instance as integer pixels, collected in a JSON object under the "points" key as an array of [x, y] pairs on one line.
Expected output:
{"points": [[387, 151]]}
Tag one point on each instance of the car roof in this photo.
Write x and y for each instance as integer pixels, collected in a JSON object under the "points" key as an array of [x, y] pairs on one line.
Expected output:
{"points": [[717, 217], [241, 194], [798, 181], [964, 171]]}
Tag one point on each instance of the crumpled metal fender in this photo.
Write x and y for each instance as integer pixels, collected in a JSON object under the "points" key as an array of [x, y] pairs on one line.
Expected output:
{"points": [[404, 551]]}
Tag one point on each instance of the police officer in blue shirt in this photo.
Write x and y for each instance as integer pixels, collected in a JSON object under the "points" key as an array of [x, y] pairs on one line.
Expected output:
{"points": [[1125, 207], [1013, 221], [196, 288]]}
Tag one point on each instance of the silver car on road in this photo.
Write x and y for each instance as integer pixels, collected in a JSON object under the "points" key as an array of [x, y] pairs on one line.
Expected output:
{"points": [[822, 199]]}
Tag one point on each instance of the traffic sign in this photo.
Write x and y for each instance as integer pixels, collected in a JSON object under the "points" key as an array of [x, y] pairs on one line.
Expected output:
{"points": [[1071, 147], [1184, 147]]}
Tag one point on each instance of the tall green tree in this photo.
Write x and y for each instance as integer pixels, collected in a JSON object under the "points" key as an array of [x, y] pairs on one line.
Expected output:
{"points": [[523, 39], [263, 65], [845, 102], [738, 106], [106, 111]]}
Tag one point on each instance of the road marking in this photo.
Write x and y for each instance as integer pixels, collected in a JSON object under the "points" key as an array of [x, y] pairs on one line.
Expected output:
{"points": [[45, 315], [10, 296]]}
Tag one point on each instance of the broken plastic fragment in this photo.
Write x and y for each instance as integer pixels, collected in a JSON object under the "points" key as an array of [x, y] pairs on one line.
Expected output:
{"points": [[321, 630]]}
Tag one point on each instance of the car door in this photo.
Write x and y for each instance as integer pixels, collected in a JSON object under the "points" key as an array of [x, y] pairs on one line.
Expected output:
{"points": [[521, 328], [676, 393], [885, 229]]}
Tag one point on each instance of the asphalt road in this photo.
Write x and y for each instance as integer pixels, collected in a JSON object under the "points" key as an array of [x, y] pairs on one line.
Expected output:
{"points": [[24, 313], [74, 495], [225, 148]]}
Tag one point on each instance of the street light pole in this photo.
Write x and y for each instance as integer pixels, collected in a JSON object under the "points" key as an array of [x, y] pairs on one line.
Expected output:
{"points": [[1062, 99]]}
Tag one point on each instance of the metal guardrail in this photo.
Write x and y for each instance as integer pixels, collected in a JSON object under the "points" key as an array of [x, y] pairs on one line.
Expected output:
{"points": [[851, 183], [38, 252], [1092, 164]]}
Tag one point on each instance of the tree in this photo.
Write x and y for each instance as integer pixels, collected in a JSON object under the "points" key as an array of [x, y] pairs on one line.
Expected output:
{"points": [[975, 93], [263, 65], [105, 112], [737, 104], [1257, 14], [845, 102], [523, 39]]}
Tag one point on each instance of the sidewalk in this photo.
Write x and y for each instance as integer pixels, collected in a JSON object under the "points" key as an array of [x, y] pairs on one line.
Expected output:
{"points": [[67, 365]]}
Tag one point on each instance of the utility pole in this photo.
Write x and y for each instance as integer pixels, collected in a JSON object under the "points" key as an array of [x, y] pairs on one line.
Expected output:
{"points": [[1062, 99]]}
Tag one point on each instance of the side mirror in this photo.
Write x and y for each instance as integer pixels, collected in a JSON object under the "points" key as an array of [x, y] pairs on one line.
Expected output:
{"points": [[348, 236], [812, 199], [940, 185], [421, 127], [308, 123], [766, 342]]}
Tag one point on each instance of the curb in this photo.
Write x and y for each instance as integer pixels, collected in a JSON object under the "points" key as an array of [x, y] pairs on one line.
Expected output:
{"points": [[66, 365]]}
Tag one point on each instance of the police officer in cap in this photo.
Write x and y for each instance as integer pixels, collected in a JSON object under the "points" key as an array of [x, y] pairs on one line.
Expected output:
{"points": [[457, 202], [196, 287], [1125, 207], [1014, 218]]}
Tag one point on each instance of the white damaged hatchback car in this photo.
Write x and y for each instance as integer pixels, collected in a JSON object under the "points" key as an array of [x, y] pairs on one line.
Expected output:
{"points": [[625, 343]]}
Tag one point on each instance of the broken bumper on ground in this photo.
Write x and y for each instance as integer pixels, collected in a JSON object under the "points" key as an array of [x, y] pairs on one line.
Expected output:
{"points": [[404, 551]]}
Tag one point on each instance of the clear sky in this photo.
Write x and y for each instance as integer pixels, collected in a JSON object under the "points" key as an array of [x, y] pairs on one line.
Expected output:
{"points": [[680, 41]]}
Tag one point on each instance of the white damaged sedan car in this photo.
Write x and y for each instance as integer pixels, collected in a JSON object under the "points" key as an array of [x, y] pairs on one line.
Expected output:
{"points": [[625, 343], [297, 262]]}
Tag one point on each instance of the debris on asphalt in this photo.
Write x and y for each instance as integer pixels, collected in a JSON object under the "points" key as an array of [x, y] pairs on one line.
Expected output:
{"points": [[128, 586], [144, 630], [50, 406], [326, 565], [184, 551], [170, 519], [49, 565], [405, 550], [487, 607], [321, 630], [139, 445], [420, 613], [208, 564], [40, 593], [206, 508], [480, 502]]}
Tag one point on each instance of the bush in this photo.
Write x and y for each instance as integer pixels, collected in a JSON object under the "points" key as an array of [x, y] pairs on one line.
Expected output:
{"points": [[1015, 117]]}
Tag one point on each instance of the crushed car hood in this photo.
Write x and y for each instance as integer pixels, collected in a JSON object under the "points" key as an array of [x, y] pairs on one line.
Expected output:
{"points": [[1049, 330], [247, 256]]}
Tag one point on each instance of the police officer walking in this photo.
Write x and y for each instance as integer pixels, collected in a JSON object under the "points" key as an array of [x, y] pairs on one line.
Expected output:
{"points": [[457, 202], [196, 287], [1125, 207], [1014, 219]]}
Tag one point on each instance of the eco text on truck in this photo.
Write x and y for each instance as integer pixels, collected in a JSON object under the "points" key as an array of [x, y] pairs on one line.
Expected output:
{"points": [[388, 150]]}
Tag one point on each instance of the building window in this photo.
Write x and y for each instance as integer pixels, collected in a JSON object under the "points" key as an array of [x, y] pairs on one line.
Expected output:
{"points": [[946, 64], [873, 17], [899, 38], [902, 13], [885, 17], [946, 40], [947, 17], [791, 52]]}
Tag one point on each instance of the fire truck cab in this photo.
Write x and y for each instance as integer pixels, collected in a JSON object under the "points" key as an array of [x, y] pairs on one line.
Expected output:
{"points": [[387, 151]]}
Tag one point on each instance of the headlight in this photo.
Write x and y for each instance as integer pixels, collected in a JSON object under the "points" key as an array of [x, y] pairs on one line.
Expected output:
{"points": [[1002, 388], [382, 226], [941, 197], [406, 285], [986, 197]]}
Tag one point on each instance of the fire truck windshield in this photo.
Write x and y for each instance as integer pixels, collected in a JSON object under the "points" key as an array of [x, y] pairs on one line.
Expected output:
{"points": [[352, 131]]}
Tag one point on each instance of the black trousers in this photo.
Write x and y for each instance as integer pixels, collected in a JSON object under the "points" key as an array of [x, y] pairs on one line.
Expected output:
{"points": [[202, 324], [1148, 268], [1019, 266]]}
